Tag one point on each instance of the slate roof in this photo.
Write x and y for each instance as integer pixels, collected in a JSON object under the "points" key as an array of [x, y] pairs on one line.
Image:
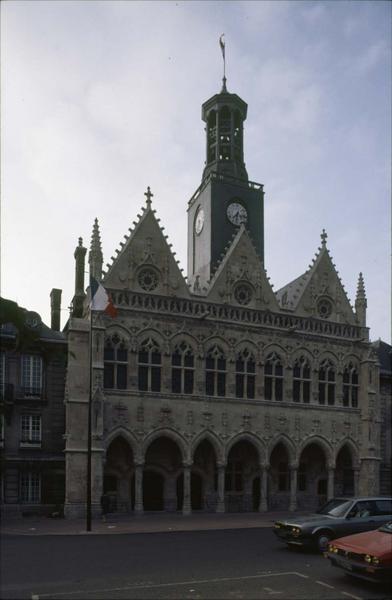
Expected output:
{"points": [[384, 353]]}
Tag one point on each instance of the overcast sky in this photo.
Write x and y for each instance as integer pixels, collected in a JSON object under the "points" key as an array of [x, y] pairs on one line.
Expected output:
{"points": [[102, 99]]}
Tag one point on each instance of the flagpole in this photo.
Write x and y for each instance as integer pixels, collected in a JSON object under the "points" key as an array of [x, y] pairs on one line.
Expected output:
{"points": [[89, 444]]}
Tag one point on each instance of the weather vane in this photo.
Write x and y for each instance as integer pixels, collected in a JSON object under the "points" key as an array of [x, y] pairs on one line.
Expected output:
{"points": [[222, 45]]}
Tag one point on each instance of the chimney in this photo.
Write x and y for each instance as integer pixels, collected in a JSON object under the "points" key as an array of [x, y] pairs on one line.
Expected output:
{"points": [[55, 308]]}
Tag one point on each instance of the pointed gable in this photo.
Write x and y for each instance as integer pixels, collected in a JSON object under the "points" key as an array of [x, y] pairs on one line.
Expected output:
{"points": [[145, 262], [241, 278], [318, 292]]}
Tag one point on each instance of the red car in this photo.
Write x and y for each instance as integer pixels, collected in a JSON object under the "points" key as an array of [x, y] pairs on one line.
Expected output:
{"points": [[366, 555]]}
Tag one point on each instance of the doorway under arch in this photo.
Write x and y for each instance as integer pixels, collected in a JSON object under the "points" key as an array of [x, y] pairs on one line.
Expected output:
{"points": [[153, 484]]}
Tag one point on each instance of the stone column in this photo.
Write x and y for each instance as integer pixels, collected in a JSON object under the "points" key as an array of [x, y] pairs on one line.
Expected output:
{"points": [[139, 509], [356, 481], [221, 488], [293, 486], [263, 506], [331, 482], [186, 504]]}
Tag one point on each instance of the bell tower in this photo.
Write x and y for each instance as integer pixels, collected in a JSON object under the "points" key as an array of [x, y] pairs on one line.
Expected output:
{"points": [[226, 198]]}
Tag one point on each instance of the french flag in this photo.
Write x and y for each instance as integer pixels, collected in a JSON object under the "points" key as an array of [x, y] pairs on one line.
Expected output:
{"points": [[100, 299]]}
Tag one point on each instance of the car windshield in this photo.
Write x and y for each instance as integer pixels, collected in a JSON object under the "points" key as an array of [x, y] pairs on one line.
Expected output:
{"points": [[337, 507], [387, 528]]}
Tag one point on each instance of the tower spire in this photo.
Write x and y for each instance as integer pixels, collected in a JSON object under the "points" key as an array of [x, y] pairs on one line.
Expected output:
{"points": [[95, 257], [222, 44], [361, 301]]}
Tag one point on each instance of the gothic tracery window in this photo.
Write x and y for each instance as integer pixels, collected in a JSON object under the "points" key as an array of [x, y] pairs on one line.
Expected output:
{"points": [[115, 364], [327, 382], [149, 366], [350, 386], [215, 372], [183, 369], [245, 376], [273, 377], [301, 380]]}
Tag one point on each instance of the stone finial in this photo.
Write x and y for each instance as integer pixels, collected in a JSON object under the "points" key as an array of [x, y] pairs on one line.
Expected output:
{"points": [[324, 236], [95, 257], [95, 245], [77, 302], [148, 195], [361, 301], [361, 294]]}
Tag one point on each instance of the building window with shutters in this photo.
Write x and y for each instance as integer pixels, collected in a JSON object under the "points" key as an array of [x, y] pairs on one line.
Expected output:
{"points": [[273, 377], [30, 430], [183, 369], [245, 376], [215, 372], [31, 380], [30, 487], [149, 366], [115, 358], [327, 383], [301, 380], [350, 386]]}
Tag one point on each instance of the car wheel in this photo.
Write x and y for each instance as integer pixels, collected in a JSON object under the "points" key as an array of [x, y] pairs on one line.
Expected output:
{"points": [[323, 540]]}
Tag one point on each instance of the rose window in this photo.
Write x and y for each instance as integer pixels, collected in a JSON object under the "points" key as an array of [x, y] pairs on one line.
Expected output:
{"points": [[148, 279], [324, 308], [243, 294]]}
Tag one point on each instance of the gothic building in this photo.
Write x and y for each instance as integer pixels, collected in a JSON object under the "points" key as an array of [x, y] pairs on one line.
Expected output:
{"points": [[214, 392]]}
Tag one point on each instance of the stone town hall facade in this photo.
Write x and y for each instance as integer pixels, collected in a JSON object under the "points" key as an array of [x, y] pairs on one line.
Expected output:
{"points": [[214, 392]]}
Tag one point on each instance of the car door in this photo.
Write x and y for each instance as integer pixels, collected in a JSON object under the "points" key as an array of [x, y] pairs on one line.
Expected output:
{"points": [[361, 517], [382, 512]]}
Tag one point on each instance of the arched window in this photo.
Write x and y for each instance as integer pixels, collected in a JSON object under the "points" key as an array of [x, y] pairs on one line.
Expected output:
{"points": [[224, 134], [301, 380], [327, 383], [115, 358], [245, 368], [350, 386], [211, 136], [182, 369], [149, 366], [215, 372], [273, 377]]}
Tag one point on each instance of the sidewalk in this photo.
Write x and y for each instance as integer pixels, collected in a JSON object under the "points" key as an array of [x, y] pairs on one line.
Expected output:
{"points": [[147, 523]]}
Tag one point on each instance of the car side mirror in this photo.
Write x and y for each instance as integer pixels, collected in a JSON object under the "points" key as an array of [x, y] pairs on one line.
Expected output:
{"points": [[350, 515]]}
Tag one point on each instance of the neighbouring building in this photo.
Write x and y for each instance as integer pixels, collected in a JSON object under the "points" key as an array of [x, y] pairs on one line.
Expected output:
{"points": [[384, 354], [214, 392], [32, 413]]}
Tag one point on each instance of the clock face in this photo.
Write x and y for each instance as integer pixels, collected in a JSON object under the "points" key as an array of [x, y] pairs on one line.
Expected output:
{"points": [[236, 213], [199, 223]]}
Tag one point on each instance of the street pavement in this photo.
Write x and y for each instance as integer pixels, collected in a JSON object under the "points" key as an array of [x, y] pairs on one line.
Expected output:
{"points": [[148, 522], [201, 556]]}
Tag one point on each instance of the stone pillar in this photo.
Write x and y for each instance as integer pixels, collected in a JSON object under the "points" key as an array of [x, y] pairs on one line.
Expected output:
{"points": [[331, 482], [139, 509], [220, 508], [186, 504], [263, 506], [293, 486]]}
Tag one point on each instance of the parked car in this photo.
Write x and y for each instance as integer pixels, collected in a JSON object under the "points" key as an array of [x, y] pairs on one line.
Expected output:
{"points": [[338, 517], [366, 555]]}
